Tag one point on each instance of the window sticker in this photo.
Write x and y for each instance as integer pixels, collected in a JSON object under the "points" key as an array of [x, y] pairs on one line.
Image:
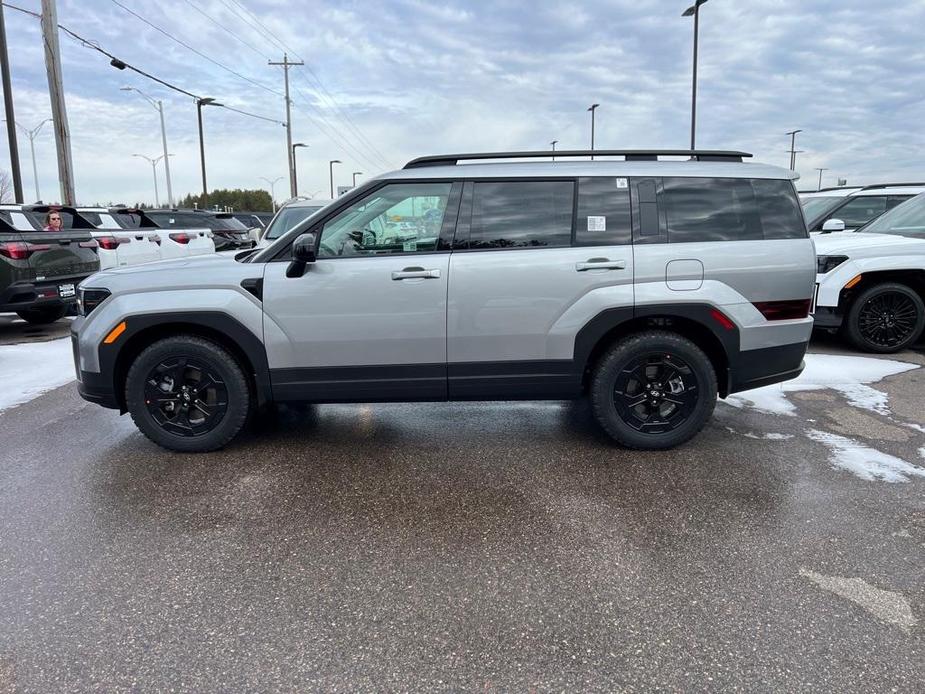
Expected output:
{"points": [[597, 223], [409, 245], [621, 183]]}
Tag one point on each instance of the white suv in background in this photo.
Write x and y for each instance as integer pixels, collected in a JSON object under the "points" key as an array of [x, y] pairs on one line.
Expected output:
{"points": [[291, 213], [849, 208]]}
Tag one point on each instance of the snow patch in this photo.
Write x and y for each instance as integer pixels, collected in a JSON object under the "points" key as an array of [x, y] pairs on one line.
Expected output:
{"points": [[886, 605], [847, 375], [762, 437], [28, 370], [863, 461]]}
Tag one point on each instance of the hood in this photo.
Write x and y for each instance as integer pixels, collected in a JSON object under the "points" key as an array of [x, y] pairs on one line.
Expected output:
{"points": [[844, 244], [192, 263]]}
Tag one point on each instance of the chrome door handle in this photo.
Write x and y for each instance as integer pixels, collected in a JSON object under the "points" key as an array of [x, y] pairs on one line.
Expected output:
{"points": [[416, 273], [600, 264]]}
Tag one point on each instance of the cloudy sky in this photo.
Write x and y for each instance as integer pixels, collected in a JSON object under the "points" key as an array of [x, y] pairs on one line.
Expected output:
{"points": [[386, 81]]}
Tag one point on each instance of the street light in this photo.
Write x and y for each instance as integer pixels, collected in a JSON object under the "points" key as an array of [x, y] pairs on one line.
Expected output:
{"points": [[160, 109], [31, 134], [295, 169], [793, 152], [592, 108], [331, 168], [272, 185], [695, 11], [355, 174], [553, 143], [207, 101], [820, 170], [153, 163]]}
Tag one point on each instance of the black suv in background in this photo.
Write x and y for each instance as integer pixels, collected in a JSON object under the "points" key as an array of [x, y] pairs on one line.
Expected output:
{"points": [[229, 233], [40, 270]]}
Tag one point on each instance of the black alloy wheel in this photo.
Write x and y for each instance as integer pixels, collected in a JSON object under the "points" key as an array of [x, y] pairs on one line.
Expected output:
{"points": [[886, 318], [185, 396], [655, 393]]}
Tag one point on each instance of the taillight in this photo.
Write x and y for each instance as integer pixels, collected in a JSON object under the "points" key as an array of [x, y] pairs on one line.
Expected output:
{"points": [[111, 243], [123, 239], [17, 250], [180, 237], [89, 244], [783, 310]]}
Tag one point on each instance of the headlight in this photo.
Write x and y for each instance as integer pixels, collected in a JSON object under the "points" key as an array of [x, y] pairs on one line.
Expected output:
{"points": [[89, 299], [827, 263]]}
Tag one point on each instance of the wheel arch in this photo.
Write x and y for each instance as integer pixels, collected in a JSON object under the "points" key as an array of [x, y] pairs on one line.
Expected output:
{"points": [[696, 322], [912, 278], [221, 328]]}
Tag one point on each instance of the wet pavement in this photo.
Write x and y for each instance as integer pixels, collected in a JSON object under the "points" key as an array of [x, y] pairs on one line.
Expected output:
{"points": [[490, 547]]}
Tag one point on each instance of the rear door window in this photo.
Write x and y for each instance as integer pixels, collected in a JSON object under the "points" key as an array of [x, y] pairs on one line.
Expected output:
{"points": [[521, 214], [603, 212]]}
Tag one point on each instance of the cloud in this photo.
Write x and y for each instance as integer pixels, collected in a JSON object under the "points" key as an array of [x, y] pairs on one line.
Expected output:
{"points": [[409, 77]]}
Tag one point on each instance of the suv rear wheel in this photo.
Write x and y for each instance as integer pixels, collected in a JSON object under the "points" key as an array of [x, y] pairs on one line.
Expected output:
{"points": [[42, 316], [188, 394], [885, 318], [653, 390]]}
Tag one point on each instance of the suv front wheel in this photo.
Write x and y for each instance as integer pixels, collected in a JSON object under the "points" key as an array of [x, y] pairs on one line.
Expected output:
{"points": [[653, 390], [187, 394], [885, 318]]}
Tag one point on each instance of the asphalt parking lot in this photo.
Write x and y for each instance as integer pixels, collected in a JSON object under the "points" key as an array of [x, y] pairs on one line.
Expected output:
{"points": [[490, 547]]}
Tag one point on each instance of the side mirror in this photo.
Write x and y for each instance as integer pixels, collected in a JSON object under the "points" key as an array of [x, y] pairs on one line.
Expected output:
{"points": [[303, 253], [833, 225]]}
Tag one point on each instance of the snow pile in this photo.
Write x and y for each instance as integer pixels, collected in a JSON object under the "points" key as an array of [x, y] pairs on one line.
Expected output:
{"points": [[863, 461], [28, 370], [849, 376]]}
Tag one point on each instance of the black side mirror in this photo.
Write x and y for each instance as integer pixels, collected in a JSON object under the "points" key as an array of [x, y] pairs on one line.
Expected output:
{"points": [[303, 252]]}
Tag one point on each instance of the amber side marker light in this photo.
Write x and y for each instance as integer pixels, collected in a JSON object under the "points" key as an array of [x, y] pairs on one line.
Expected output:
{"points": [[114, 333], [853, 281]]}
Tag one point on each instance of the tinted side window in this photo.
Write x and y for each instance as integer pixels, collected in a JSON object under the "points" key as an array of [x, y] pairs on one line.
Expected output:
{"points": [[860, 209], [92, 217], [603, 212], [521, 214], [710, 209], [779, 209]]}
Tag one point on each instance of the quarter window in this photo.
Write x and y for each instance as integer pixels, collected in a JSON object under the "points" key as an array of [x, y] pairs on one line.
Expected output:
{"points": [[710, 209], [397, 218], [521, 214], [779, 209], [603, 212]]}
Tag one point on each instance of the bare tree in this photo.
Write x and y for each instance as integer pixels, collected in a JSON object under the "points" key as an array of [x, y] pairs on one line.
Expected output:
{"points": [[6, 187]]}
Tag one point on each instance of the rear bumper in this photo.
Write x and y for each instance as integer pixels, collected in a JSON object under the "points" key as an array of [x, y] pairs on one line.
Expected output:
{"points": [[20, 296], [762, 367], [827, 317]]}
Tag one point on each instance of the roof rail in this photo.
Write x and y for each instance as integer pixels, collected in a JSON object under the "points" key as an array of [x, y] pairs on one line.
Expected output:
{"points": [[892, 185], [627, 154], [823, 190]]}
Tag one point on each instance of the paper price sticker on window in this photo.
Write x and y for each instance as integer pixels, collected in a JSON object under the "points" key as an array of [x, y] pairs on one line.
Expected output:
{"points": [[597, 223], [621, 183]]}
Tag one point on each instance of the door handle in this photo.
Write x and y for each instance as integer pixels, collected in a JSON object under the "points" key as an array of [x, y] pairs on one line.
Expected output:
{"points": [[600, 264], [416, 273]]}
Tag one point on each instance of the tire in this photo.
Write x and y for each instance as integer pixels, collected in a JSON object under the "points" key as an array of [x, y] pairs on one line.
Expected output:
{"points": [[42, 316], [885, 318], [188, 394], [671, 361]]}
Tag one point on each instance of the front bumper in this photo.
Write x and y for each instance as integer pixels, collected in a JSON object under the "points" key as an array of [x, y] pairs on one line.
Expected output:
{"points": [[93, 387]]}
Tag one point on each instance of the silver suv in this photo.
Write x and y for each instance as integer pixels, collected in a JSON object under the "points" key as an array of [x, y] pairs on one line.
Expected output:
{"points": [[649, 284]]}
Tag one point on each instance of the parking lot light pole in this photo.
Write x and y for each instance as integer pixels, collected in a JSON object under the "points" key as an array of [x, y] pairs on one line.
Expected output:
{"points": [[820, 170], [694, 10], [206, 101], [153, 163], [32, 134], [160, 109], [295, 169], [355, 174], [272, 185], [331, 169], [554, 143], [592, 108], [793, 152]]}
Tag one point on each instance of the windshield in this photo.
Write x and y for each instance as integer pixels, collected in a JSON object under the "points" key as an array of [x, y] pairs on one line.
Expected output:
{"points": [[907, 219], [815, 207], [287, 218]]}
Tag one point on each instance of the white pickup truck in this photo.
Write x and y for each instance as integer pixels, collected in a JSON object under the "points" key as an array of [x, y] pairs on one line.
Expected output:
{"points": [[870, 284]]}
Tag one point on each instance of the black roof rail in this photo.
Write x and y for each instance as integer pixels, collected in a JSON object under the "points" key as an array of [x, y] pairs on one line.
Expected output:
{"points": [[824, 190], [627, 154], [875, 186]]}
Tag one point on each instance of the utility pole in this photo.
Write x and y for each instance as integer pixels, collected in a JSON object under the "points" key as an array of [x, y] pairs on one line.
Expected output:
{"points": [[56, 94], [10, 118], [286, 65], [820, 170], [793, 152]]}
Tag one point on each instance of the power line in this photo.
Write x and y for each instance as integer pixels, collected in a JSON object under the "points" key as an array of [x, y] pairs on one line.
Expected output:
{"points": [[194, 50], [226, 29], [320, 85]]}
